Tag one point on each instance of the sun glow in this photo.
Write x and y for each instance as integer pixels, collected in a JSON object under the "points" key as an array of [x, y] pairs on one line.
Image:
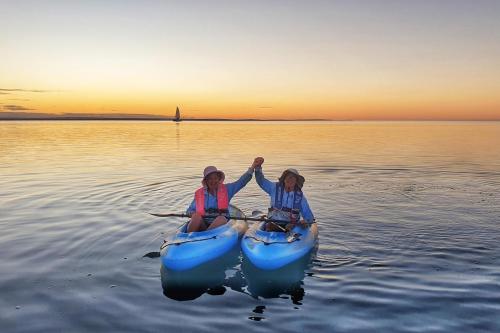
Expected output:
{"points": [[252, 61]]}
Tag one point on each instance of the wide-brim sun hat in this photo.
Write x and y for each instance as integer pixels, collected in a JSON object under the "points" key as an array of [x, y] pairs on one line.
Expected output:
{"points": [[300, 178], [211, 169]]}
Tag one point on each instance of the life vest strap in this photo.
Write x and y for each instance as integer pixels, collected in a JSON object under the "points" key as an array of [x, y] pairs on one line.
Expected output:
{"points": [[294, 212], [285, 209], [216, 211]]}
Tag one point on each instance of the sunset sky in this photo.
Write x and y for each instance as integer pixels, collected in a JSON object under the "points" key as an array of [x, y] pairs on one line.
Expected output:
{"points": [[253, 59]]}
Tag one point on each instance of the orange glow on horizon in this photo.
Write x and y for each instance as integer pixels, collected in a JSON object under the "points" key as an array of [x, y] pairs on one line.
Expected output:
{"points": [[434, 106], [331, 60]]}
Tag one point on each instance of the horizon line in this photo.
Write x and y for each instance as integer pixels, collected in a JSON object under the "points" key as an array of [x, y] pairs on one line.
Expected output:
{"points": [[17, 116]]}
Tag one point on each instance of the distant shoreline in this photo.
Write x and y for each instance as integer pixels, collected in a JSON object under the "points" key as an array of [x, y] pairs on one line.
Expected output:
{"points": [[150, 119], [27, 116], [237, 120]]}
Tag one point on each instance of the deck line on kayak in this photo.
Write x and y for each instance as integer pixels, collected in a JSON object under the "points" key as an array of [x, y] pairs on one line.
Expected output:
{"points": [[165, 244], [295, 237]]}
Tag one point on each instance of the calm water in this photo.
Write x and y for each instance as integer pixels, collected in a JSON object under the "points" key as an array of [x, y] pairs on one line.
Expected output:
{"points": [[408, 215]]}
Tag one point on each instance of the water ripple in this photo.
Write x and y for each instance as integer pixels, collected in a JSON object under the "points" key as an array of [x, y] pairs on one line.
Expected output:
{"points": [[408, 230]]}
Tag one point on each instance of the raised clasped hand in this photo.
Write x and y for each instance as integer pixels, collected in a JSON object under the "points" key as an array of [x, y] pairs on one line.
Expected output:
{"points": [[257, 162]]}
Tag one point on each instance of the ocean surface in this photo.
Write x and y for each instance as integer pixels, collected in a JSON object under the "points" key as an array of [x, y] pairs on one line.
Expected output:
{"points": [[408, 216]]}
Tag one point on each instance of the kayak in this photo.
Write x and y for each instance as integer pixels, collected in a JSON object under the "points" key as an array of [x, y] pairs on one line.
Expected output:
{"points": [[183, 251], [274, 250]]}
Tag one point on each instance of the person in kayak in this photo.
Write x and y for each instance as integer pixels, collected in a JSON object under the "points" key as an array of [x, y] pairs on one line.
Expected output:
{"points": [[213, 199], [288, 202]]}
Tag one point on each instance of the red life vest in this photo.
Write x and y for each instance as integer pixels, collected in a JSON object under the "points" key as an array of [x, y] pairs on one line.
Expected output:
{"points": [[222, 199]]}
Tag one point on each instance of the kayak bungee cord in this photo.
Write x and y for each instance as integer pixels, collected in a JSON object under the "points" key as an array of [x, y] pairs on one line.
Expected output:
{"points": [[295, 237], [165, 243]]}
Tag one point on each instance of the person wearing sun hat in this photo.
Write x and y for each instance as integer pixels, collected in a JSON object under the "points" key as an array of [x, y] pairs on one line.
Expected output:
{"points": [[288, 202], [213, 198]]}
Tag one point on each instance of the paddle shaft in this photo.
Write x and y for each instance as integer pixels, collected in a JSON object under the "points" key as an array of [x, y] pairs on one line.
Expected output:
{"points": [[230, 217]]}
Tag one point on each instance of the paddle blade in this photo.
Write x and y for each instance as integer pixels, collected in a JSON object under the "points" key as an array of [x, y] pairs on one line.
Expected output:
{"points": [[158, 215], [293, 237], [152, 255]]}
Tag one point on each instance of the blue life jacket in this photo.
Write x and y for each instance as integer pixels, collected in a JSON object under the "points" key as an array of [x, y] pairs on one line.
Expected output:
{"points": [[294, 212]]}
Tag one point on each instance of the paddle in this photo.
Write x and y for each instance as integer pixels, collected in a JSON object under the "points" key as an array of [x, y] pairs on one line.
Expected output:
{"points": [[258, 219], [263, 216], [291, 237]]}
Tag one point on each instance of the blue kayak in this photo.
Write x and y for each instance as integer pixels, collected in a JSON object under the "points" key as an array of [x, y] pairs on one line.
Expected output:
{"points": [[185, 251], [273, 250]]}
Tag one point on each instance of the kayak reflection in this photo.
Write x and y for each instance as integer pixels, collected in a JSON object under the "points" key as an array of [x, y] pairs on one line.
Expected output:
{"points": [[211, 278], [231, 272], [287, 280]]}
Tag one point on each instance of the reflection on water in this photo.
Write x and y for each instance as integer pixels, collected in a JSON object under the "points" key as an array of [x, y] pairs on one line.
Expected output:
{"points": [[210, 278], [286, 280], [230, 271], [407, 215]]}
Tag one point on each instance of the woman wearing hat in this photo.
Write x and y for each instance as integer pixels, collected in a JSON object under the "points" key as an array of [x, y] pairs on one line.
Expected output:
{"points": [[213, 198], [288, 202]]}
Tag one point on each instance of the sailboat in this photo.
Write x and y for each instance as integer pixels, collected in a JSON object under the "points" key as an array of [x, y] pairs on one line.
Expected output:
{"points": [[177, 115]]}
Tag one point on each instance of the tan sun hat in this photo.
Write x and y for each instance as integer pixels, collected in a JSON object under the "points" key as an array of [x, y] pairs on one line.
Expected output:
{"points": [[211, 169], [300, 179]]}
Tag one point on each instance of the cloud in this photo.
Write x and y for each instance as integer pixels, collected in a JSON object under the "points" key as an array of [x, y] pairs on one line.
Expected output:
{"points": [[9, 90], [265, 107], [12, 107]]}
